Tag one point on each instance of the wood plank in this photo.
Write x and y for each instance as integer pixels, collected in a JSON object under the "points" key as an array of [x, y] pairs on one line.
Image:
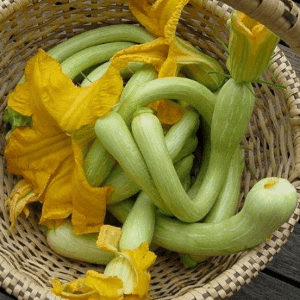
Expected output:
{"points": [[287, 262], [265, 287], [280, 280], [4, 296]]}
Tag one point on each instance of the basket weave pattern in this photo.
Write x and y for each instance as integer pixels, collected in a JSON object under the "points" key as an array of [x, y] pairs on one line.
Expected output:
{"points": [[271, 149]]}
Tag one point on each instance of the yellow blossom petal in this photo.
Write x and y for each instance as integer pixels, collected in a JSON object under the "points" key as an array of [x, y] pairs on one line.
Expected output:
{"points": [[255, 31], [44, 153], [168, 111], [154, 53], [73, 107], [49, 95], [161, 18], [142, 259], [94, 286], [108, 287], [183, 56], [136, 297], [26, 97], [171, 11], [35, 155], [18, 200], [76, 289], [109, 237], [57, 201], [35, 152], [18, 99], [142, 11], [89, 202]]}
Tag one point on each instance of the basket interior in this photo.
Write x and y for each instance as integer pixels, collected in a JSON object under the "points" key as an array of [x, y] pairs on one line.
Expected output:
{"points": [[268, 145]]}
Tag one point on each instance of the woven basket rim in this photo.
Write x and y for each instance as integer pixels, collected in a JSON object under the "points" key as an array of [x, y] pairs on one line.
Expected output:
{"points": [[251, 259], [281, 16]]}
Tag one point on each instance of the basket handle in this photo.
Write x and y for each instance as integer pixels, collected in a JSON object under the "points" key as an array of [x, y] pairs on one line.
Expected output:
{"points": [[280, 16]]}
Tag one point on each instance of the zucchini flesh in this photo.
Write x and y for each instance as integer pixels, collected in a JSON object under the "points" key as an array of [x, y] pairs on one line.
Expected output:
{"points": [[91, 56], [180, 133], [99, 71], [125, 188], [63, 241], [175, 140], [101, 35], [227, 201], [138, 227], [139, 224], [189, 147], [231, 115], [181, 89], [97, 164], [115, 136], [192, 192], [267, 206], [139, 78], [102, 163], [226, 204], [149, 136], [121, 209]]}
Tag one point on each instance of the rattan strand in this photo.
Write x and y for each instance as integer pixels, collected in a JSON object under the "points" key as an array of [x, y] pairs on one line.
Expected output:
{"points": [[271, 149], [281, 16]]}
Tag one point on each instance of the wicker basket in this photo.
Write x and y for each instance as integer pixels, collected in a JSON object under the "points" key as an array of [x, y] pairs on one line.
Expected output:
{"points": [[271, 143]]}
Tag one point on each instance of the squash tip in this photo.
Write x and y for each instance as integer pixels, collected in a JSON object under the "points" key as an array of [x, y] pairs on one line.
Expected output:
{"points": [[270, 183]]}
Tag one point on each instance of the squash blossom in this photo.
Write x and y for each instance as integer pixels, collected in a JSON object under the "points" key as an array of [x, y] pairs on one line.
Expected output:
{"points": [[167, 52], [251, 45], [161, 19], [126, 277], [48, 153]]}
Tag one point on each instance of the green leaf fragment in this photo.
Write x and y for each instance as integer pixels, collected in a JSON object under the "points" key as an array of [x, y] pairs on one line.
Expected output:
{"points": [[15, 119]]}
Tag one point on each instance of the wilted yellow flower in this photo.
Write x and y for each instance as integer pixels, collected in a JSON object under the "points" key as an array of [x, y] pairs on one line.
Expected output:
{"points": [[251, 45], [126, 278], [161, 19], [108, 238], [94, 286], [18, 200], [46, 155], [167, 53]]}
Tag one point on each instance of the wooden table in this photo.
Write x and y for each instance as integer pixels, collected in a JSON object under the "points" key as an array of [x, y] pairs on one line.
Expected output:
{"points": [[281, 279]]}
